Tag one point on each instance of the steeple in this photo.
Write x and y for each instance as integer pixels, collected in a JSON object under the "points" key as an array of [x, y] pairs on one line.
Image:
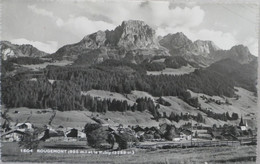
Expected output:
{"points": [[241, 122]]}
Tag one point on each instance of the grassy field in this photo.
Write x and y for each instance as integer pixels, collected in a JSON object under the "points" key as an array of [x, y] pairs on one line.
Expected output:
{"points": [[240, 154], [245, 105], [36, 67], [170, 71]]}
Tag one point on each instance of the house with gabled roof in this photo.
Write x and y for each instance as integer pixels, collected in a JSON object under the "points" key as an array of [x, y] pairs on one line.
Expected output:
{"points": [[186, 134], [12, 135], [24, 126]]}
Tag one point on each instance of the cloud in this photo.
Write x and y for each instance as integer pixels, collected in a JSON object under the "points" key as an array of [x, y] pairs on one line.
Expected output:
{"points": [[49, 46], [156, 13], [163, 16], [81, 26], [44, 12], [40, 11], [76, 25]]}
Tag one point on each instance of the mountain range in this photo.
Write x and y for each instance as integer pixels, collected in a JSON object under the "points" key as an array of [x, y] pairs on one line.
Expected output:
{"points": [[133, 41], [111, 71], [9, 50]]}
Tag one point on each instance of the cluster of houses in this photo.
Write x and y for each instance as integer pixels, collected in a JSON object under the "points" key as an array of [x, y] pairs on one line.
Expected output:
{"points": [[12, 133], [15, 132]]}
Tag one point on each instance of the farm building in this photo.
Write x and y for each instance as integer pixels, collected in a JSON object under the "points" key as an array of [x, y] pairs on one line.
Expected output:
{"points": [[139, 134], [216, 135], [229, 136], [5, 127], [138, 129], [75, 133], [52, 134], [24, 126], [201, 133], [12, 135], [186, 134]]}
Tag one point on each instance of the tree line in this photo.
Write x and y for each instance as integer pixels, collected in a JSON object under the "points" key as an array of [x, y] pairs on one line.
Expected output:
{"points": [[176, 117], [68, 82], [220, 116]]}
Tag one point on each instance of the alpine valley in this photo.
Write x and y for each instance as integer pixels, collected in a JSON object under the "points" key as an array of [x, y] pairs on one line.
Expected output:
{"points": [[130, 76]]}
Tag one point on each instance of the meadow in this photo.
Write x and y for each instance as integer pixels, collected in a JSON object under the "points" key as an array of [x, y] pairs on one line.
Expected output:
{"points": [[226, 154]]}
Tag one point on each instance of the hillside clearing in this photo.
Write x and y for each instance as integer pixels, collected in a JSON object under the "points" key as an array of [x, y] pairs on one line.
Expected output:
{"points": [[37, 67], [171, 71]]}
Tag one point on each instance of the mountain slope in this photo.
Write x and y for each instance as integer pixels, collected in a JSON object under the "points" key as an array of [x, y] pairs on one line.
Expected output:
{"points": [[239, 53], [203, 52], [244, 75], [9, 50], [130, 39]]}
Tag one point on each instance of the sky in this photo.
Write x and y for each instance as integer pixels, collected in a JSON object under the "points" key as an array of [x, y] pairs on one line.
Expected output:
{"points": [[51, 24]]}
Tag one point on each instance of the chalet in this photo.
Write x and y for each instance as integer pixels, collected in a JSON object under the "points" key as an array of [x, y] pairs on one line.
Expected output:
{"points": [[81, 135], [229, 136], [177, 138], [12, 135], [72, 133], [186, 134], [6, 126], [216, 135], [51, 134], [201, 133], [75, 133], [139, 134], [138, 129], [112, 129], [24, 126]]}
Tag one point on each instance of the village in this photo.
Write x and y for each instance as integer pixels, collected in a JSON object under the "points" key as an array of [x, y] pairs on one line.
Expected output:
{"points": [[103, 136]]}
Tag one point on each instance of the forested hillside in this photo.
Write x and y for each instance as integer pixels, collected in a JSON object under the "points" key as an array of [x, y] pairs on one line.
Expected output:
{"points": [[243, 75], [60, 87], [120, 61]]}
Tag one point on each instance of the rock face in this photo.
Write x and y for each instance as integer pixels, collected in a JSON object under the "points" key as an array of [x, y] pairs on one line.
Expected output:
{"points": [[9, 50], [177, 44], [237, 53], [135, 35], [131, 39], [205, 47], [203, 52], [129, 35], [241, 54]]}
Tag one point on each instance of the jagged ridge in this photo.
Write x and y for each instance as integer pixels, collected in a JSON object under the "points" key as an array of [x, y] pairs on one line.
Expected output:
{"points": [[9, 50]]}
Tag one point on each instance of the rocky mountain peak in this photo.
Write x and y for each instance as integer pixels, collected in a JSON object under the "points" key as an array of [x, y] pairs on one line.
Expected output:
{"points": [[206, 46], [9, 50], [133, 23], [203, 52], [241, 53], [132, 34], [240, 49], [95, 40], [175, 41], [131, 37], [180, 39]]}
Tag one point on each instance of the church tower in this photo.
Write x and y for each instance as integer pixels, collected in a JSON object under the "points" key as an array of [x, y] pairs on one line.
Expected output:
{"points": [[241, 122], [242, 125]]}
